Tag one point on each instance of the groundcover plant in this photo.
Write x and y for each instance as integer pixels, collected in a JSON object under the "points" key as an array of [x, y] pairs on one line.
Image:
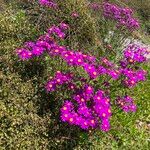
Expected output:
{"points": [[88, 83]]}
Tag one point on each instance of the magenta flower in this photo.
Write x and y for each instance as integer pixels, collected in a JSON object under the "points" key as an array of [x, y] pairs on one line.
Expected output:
{"points": [[79, 99], [126, 103], [130, 82], [106, 62], [47, 38], [50, 86], [72, 58], [105, 126], [85, 111], [89, 109], [57, 31], [93, 123], [89, 90], [48, 3], [133, 108], [123, 63], [43, 44], [115, 74], [67, 107], [135, 53], [24, 54], [63, 26], [91, 70], [123, 16], [141, 75], [37, 51], [84, 124], [72, 86], [59, 79], [69, 117], [56, 50], [29, 45], [102, 70]]}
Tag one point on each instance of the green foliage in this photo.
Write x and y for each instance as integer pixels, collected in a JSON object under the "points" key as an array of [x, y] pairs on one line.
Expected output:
{"points": [[28, 115], [14, 25], [129, 131], [20, 125]]}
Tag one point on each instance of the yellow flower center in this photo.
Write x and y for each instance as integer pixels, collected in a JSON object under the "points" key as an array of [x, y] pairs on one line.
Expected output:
{"points": [[64, 108], [132, 82], [56, 50], [58, 80], [98, 98], [79, 60], [94, 73], [50, 85], [103, 114], [85, 123], [82, 100], [92, 121], [89, 88], [71, 119], [109, 110], [66, 115]]}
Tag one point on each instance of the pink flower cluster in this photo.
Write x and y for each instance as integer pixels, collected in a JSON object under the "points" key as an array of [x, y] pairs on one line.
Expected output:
{"points": [[59, 79], [123, 16], [89, 109], [133, 77], [102, 109], [45, 43], [88, 117], [135, 53], [127, 104], [133, 56], [58, 31], [48, 3]]}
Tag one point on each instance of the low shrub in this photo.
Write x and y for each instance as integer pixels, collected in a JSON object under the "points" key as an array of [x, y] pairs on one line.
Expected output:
{"points": [[30, 115]]}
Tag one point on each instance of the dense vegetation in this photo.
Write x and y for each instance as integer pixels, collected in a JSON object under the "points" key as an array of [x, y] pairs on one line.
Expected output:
{"points": [[29, 117]]}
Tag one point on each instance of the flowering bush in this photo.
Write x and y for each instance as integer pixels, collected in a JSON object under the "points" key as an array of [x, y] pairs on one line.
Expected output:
{"points": [[48, 3], [90, 80], [123, 16]]}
